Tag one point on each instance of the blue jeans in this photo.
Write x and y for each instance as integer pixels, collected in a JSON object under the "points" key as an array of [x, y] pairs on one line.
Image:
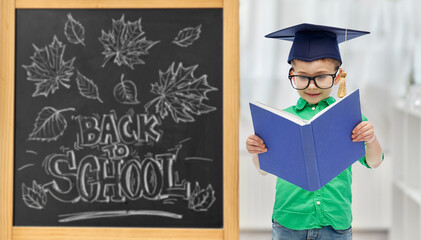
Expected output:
{"points": [[280, 232]]}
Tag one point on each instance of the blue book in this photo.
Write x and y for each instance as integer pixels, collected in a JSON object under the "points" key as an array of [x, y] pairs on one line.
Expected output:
{"points": [[309, 153]]}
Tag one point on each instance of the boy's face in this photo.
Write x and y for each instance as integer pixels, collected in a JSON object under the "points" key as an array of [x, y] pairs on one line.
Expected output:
{"points": [[312, 94]]}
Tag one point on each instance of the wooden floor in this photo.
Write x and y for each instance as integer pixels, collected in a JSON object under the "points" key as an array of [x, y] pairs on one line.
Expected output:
{"points": [[356, 235]]}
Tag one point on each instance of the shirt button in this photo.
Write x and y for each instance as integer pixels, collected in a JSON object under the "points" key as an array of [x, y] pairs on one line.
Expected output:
{"points": [[313, 108], [318, 202]]}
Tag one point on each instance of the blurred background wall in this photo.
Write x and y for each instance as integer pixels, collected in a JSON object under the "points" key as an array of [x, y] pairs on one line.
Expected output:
{"points": [[379, 64]]}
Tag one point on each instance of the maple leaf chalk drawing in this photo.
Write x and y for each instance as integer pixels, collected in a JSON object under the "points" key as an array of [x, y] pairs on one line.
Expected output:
{"points": [[49, 124], [34, 197], [187, 36], [181, 94], [201, 199], [126, 43], [49, 69], [126, 92], [74, 31], [87, 87]]}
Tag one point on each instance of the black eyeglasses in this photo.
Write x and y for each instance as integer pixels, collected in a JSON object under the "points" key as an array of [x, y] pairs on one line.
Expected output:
{"points": [[324, 81]]}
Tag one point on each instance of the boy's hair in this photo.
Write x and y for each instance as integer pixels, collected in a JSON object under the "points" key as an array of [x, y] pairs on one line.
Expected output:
{"points": [[336, 62]]}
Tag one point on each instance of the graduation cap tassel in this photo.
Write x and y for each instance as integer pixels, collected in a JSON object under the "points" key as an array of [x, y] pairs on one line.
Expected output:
{"points": [[342, 84], [342, 75]]}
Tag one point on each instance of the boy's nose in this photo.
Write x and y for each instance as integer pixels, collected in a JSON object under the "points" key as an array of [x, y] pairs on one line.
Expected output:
{"points": [[312, 85]]}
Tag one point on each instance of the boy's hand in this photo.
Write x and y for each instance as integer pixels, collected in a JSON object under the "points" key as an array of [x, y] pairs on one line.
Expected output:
{"points": [[364, 131], [255, 145]]}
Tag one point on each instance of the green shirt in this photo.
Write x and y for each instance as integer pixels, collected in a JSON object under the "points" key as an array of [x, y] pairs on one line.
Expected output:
{"points": [[299, 209]]}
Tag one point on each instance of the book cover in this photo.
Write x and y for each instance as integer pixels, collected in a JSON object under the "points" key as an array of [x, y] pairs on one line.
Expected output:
{"points": [[309, 153]]}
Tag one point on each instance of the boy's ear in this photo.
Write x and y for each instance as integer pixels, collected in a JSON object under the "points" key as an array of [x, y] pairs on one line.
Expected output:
{"points": [[338, 77]]}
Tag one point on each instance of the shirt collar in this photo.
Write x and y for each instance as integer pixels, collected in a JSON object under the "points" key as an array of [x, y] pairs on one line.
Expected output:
{"points": [[301, 103]]}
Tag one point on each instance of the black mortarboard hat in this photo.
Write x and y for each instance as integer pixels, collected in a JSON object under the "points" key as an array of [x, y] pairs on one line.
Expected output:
{"points": [[312, 42]]}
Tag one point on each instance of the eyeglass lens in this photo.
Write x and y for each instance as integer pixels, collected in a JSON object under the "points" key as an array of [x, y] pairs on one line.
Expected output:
{"points": [[302, 82]]}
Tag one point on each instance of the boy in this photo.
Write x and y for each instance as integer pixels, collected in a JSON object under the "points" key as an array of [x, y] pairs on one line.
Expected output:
{"points": [[325, 213]]}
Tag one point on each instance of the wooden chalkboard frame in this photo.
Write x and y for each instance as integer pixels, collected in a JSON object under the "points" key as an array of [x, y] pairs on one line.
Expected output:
{"points": [[230, 124]]}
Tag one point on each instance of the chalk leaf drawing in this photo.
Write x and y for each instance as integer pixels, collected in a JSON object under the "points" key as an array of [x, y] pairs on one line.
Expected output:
{"points": [[74, 31], [201, 199], [49, 69], [187, 36], [49, 125], [180, 94], [126, 92], [87, 87], [125, 43], [34, 197]]}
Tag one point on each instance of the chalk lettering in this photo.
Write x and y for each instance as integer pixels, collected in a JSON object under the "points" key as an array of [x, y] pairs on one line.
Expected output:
{"points": [[113, 130]]}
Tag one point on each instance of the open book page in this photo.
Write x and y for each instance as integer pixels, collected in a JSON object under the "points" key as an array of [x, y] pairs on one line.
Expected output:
{"points": [[329, 107], [283, 114]]}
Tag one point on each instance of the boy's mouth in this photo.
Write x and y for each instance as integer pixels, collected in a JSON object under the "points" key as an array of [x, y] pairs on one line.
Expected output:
{"points": [[313, 94]]}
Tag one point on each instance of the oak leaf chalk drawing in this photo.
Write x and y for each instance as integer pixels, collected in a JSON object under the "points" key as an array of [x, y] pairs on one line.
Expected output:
{"points": [[125, 43], [201, 199], [180, 94], [49, 124], [49, 69], [187, 36], [74, 31], [126, 92], [34, 197], [87, 87]]}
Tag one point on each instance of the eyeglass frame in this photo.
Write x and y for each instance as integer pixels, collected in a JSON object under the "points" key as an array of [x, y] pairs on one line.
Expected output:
{"points": [[311, 79]]}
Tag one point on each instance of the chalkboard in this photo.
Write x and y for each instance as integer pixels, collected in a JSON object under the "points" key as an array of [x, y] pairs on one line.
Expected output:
{"points": [[118, 118]]}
